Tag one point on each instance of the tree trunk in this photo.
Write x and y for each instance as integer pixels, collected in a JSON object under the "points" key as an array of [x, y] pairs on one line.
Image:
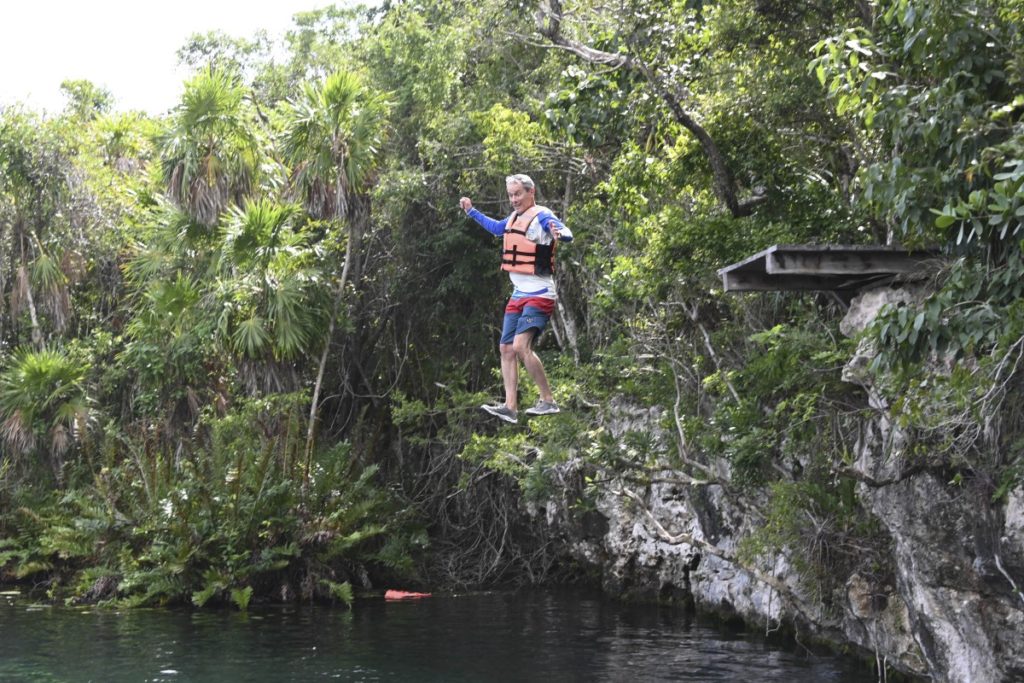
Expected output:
{"points": [[25, 284], [556, 328], [567, 197], [4, 259], [37, 333], [357, 221], [724, 183], [569, 326]]}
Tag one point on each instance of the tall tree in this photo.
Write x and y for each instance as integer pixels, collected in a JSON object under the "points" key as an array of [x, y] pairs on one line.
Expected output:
{"points": [[210, 155], [37, 210], [333, 139]]}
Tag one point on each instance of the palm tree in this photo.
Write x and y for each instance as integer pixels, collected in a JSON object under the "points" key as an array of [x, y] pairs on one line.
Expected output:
{"points": [[332, 141], [333, 137], [210, 154], [269, 283], [170, 335], [43, 393]]}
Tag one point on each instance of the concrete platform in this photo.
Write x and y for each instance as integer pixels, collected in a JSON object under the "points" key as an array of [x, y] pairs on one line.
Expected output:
{"points": [[834, 268]]}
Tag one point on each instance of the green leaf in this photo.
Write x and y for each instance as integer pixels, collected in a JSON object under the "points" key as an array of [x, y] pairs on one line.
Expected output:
{"points": [[340, 591], [250, 337], [241, 596], [200, 598]]}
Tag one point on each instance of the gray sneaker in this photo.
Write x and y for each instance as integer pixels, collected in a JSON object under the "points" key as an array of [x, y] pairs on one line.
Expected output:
{"points": [[543, 408], [502, 412]]}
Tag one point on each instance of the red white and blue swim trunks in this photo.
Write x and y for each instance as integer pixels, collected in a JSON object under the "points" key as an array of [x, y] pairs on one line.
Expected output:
{"points": [[526, 313]]}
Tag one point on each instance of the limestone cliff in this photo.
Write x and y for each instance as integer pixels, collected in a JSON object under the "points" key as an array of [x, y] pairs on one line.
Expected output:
{"points": [[950, 608]]}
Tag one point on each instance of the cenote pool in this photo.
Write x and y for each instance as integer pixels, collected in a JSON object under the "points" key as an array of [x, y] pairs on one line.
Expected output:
{"points": [[534, 635]]}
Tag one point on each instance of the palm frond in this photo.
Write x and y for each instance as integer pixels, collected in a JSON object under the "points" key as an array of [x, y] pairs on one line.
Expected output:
{"points": [[60, 439], [288, 309], [16, 431], [250, 337], [211, 154], [48, 279], [255, 233], [332, 140], [20, 292], [40, 390]]}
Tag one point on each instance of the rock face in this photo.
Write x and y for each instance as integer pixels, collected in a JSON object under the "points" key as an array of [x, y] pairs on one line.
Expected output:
{"points": [[965, 616], [953, 609], [958, 555]]}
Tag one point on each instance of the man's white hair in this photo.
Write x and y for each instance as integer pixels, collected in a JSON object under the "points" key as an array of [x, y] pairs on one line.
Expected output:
{"points": [[521, 178]]}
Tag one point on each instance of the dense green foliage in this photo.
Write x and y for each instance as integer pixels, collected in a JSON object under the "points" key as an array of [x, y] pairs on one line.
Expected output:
{"points": [[242, 345]]}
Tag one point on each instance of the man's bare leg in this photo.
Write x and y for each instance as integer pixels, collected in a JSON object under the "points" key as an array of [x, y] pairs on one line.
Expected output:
{"points": [[510, 375], [522, 347]]}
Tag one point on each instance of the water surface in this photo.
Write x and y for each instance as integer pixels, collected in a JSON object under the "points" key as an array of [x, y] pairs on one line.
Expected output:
{"points": [[502, 636]]}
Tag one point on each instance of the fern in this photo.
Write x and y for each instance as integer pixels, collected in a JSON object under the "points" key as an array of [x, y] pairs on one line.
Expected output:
{"points": [[339, 591], [241, 596]]}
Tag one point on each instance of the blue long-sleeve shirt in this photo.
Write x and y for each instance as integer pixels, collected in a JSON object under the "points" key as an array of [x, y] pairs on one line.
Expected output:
{"points": [[546, 218]]}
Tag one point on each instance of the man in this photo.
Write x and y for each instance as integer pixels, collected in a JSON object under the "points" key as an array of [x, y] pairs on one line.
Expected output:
{"points": [[529, 238]]}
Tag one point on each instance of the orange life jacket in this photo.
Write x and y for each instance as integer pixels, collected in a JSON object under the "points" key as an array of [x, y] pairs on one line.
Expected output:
{"points": [[520, 255]]}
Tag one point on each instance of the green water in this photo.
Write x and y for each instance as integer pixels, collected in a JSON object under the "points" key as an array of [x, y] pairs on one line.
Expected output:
{"points": [[514, 636]]}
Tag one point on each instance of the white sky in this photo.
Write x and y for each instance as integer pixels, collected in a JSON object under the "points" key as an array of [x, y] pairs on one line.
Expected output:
{"points": [[128, 47]]}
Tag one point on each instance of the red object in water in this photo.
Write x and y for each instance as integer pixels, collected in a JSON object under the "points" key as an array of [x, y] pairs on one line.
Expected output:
{"points": [[403, 595]]}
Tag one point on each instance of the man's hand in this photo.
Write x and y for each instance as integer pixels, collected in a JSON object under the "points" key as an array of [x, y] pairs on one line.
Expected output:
{"points": [[466, 203]]}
